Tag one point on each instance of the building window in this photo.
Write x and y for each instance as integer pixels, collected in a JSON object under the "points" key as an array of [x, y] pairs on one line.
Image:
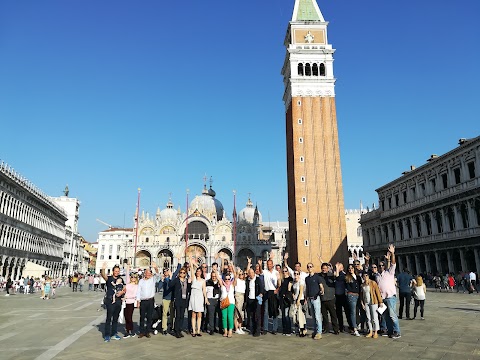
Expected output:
{"points": [[306, 242], [315, 69], [110, 249], [146, 240], [451, 219], [300, 140], [118, 257], [471, 169], [308, 70], [118, 248], [103, 248], [299, 103], [300, 121], [414, 195], [433, 183], [389, 202], [300, 69], [322, 70], [302, 159], [102, 257], [304, 200], [404, 197], [382, 205], [445, 180], [302, 178], [109, 257], [456, 172], [438, 218], [305, 221], [422, 188]]}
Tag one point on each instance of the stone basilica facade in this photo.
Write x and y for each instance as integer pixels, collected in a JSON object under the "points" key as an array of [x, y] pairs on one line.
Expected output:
{"points": [[204, 231]]}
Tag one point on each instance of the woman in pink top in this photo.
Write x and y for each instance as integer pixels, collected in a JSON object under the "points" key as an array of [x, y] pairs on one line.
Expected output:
{"points": [[130, 299]]}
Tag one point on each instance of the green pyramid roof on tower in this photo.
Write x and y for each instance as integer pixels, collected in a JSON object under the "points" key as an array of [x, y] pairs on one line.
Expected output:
{"points": [[307, 11]]}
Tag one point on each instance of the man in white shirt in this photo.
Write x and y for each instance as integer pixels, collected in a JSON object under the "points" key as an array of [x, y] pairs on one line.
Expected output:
{"points": [[146, 300], [473, 281], [271, 279]]}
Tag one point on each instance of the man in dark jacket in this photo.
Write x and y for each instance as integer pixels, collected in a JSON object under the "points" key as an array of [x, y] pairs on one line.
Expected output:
{"points": [[180, 288], [254, 290], [328, 299]]}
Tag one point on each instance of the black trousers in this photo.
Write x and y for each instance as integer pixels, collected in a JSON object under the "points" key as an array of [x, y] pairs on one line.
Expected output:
{"points": [[212, 312], [111, 322], [418, 303], [341, 303], [146, 311], [328, 307], [179, 316], [405, 298], [254, 316]]}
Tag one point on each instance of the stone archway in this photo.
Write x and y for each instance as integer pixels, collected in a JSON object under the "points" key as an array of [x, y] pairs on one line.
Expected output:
{"points": [[143, 259], [457, 263], [165, 259], [470, 260]]}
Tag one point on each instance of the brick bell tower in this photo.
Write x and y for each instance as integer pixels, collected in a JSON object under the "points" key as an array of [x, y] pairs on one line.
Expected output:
{"points": [[315, 193]]}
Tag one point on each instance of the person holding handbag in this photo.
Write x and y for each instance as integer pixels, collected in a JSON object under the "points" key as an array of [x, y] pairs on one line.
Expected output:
{"points": [[296, 309], [286, 301], [227, 303]]}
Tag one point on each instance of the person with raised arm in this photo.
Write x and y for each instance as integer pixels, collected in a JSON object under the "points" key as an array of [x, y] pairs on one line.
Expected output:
{"points": [[254, 296], [340, 296], [297, 267], [386, 283], [146, 300], [198, 297], [167, 304], [113, 302]]}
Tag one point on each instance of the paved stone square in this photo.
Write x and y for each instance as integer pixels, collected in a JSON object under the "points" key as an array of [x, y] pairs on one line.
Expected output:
{"points": [[69, 327]]}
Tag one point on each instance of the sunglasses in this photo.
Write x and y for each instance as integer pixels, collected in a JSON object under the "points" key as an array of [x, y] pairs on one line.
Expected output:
{"points": [[382, 265], [285, 271], [204, 266], [374, 267], [309, 266], [228, 279], [296, 273]]}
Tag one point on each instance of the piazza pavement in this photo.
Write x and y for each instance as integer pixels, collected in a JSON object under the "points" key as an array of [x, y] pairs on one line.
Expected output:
{"points": [[70, 327]]}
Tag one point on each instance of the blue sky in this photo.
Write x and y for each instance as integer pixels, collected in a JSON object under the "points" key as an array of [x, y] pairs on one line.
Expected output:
{"points": [[109, 96]]}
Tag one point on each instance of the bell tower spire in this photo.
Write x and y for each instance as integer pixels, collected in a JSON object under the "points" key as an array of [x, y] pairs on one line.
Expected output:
{"points": [[315, 192]]}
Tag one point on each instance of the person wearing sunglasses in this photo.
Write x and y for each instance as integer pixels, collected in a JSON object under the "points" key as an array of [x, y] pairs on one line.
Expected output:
{"points": [[386, 283], [239, 283], [352, 286], [198, 298], [297, 310], [296, 267], [227, 291], [314, 289], [180, 289], [371, 301]]}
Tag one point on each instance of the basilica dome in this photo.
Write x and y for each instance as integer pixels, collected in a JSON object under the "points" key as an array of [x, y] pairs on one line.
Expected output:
{"points": [[248, 213], [169, 213], [207, 205]]}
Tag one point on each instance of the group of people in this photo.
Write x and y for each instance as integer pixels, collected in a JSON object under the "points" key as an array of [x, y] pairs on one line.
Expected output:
{"points": [[29, 285], [465, 281], [229, 300]]}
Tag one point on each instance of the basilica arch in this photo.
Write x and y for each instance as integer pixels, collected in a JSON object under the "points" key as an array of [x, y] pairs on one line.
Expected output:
{"points": [[241, 260], [165, 259], [198, 252], [143, 258]]}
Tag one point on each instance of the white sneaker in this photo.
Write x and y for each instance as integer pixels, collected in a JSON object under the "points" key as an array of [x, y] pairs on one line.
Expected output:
{"points": [[356, 333], [7, 294], [239, 332]]}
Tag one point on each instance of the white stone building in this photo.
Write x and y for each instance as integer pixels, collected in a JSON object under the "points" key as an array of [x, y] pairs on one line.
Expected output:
{"points": [[32, 226], [71, 250], [354, 234], [114, 245], [431, 214]]}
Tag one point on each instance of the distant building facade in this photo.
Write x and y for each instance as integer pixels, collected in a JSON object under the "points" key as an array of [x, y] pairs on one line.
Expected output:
{"points": [[203, 232], [72, 254], [32, 226], [431, 214], [354, 234]]}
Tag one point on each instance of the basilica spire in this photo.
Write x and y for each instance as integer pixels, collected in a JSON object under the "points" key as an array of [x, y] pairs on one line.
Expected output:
{"points": [[307, 10]]}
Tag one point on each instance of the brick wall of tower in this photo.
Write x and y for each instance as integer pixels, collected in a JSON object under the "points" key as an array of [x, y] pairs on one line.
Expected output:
{"points": [[324, 207]]}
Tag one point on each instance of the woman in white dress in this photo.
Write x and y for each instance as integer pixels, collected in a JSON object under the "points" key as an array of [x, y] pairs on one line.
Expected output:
{"points": [[198, 298]]}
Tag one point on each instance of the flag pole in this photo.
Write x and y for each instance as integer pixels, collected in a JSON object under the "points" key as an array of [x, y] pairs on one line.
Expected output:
{"points": [[136, 229], [234, 227], [186, 229]]}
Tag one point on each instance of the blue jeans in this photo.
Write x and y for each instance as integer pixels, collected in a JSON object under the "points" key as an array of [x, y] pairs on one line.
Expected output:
{"points": [[352, 310], [265, 318], [316, 309], [391, 316]]}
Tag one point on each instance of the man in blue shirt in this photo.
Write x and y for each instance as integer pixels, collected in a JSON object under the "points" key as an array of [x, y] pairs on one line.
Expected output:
{"points": [[404, 282]]}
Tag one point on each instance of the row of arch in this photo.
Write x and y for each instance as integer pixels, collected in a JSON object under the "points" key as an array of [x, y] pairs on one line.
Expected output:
{"points": [[165, 257], [14, 266], [311, 69]]}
